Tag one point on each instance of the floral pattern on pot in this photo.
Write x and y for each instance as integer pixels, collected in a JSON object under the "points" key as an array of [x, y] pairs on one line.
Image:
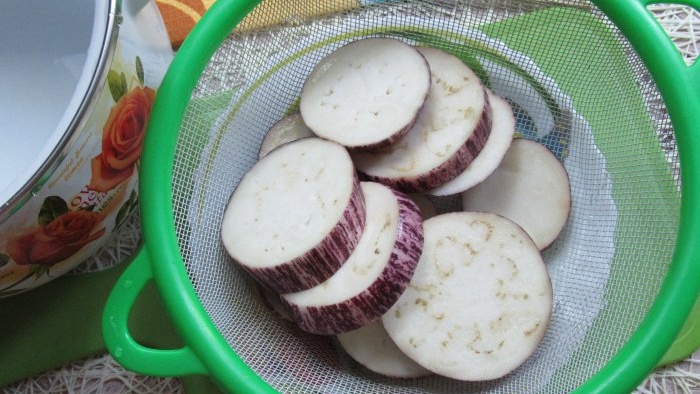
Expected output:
{"points": [[122, 139], [68, 226], [57, 240]]}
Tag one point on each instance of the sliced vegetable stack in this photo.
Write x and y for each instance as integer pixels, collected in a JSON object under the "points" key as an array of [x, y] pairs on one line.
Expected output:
{"points": [[296, 216], [376, 273], [449, 133], [408, 289]]}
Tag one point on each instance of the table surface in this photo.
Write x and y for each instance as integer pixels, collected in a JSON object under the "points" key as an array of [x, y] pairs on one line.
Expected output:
{"points": [[101, 374]]}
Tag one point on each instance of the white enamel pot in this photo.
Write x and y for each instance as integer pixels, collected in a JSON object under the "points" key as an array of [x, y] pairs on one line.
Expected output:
{"points": [[77, 81]]}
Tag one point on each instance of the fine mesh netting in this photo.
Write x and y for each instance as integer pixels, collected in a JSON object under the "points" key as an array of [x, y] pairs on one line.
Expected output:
{"points": [[575, 85]]}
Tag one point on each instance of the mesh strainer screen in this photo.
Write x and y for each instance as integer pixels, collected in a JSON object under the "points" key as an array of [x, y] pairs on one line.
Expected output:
{"points": [[575, 85]]}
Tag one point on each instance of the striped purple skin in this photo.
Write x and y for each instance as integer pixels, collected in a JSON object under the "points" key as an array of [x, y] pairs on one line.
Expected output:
{"points": [[368, 148], [322, 261], [452, 167], [381, 295]]}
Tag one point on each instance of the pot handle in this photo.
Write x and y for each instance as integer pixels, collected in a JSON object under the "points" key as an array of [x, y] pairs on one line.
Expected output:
{"points": [[117, 336]]}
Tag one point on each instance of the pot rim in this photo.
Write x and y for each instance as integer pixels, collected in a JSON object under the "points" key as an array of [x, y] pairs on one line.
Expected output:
{"points": [[97, 80]]}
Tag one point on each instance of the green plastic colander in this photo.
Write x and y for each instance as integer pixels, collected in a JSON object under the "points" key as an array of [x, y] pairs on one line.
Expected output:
{"points": [[599, 83]]}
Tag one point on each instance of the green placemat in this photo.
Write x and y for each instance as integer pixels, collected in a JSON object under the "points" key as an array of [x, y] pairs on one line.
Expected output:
{"points": [[60, 322]]}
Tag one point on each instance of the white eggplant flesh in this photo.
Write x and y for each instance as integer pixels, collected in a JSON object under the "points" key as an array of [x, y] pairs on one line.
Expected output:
{"points": [[366, 94], [372, 347], [288, 129], [451, 130], [374, 276], [296, 215], [479, 302], [530, 187], [502, 132]]}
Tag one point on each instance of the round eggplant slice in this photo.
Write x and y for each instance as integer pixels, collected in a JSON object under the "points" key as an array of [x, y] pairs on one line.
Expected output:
{"points": [[479, 302], [366, 94], [296, 215], [451, 130], [374, 276]]}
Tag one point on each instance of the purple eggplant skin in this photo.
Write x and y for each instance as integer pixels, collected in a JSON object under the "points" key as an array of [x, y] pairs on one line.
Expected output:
{"points": [[452, 167], [322, 261], [387, 142], [370, 304]]}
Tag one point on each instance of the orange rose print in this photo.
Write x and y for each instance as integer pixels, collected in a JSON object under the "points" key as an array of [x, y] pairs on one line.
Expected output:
{"points": [[122, 139], [56, 241]]}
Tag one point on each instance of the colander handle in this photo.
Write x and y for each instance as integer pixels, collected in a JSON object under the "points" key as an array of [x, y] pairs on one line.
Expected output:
{"points": [[122, 345]]}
